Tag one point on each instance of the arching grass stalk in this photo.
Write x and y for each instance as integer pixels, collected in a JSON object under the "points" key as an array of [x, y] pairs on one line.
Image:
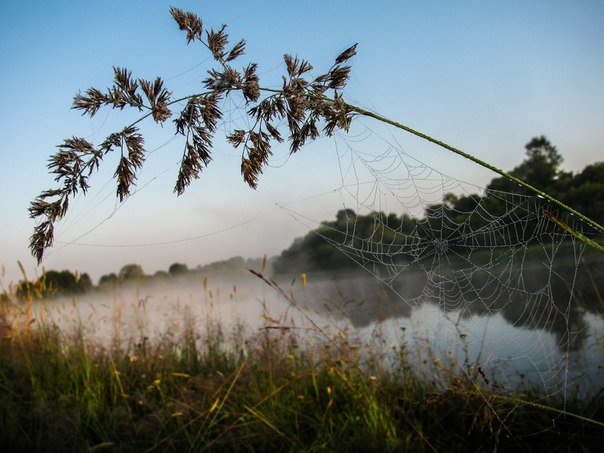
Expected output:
{"points": [[547, 408], [535, 190], [572, 231], [499, 171], [538, 192], [307, 107]]}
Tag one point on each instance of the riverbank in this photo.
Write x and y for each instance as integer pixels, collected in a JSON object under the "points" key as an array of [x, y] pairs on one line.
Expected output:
{"points": [[203, 387]]}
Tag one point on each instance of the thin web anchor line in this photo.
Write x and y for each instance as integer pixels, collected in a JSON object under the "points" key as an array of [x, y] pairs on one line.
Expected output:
{"points": [[176, 241], [117, 207], [482, 163]]}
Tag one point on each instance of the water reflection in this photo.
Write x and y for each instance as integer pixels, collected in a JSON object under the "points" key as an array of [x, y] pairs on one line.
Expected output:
{"points": [[523, 323], [537, 335], [531, 296]]}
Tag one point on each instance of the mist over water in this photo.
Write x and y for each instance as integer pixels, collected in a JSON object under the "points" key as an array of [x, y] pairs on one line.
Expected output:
{"points": [[556, 352]]}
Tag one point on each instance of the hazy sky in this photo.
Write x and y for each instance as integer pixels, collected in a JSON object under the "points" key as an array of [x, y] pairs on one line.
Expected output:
{"points": [[484, 76]]}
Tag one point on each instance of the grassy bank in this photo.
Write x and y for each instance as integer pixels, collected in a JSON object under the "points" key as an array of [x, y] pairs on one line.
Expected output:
{"points": [[206, 389]]}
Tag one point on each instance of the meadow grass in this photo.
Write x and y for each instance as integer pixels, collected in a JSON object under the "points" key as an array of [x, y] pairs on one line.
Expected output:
{"points": [[212, 388]]}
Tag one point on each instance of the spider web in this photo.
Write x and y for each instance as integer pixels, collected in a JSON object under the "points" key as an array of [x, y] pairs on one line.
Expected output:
{"points": [[490, 276]]}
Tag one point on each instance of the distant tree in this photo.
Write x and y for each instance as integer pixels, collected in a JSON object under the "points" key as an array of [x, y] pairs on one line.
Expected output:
{"points": [[235, 265], [54, 283], [109, 279], [586, 191], [541, 168], [544, 157], [313, 252], [345, 215], [236, 262], [84, 283], [455, 217], [60, 281], [254, 263], [65, 282], [178, 269], [29, 290], [131, 272], [160, 275]]}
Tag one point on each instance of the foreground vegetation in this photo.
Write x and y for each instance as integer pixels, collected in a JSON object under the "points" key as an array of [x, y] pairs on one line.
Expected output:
{"points": [[205, 388]]}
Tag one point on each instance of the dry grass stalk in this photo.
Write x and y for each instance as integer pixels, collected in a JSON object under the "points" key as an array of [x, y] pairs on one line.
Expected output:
{"points": [[308, 106]]}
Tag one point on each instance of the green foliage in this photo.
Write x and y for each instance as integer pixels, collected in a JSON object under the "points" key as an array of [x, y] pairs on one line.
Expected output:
{"points": [[315, 252], [178, 269], [541, 169], [54, 283], [457, 215], [161, 276], [232, 266], [109, 279], [586, 189], [131, 272], [65, 282], [265, 392]]}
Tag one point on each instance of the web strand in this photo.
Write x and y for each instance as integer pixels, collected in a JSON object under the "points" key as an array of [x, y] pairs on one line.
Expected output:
{"points": [[430, 238]]}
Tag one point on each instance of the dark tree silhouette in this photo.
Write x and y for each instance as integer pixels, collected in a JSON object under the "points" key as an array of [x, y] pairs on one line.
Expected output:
{"points": [[131, 272], [178, 269]]}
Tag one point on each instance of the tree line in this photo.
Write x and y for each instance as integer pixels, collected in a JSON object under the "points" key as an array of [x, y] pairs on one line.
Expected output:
{"points": [[456, 216], [506, 214], [134, 273], [54, 283]]}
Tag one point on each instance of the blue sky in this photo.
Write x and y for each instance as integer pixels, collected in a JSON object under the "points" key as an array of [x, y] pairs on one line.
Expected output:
{"points": [[483, 76]]}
